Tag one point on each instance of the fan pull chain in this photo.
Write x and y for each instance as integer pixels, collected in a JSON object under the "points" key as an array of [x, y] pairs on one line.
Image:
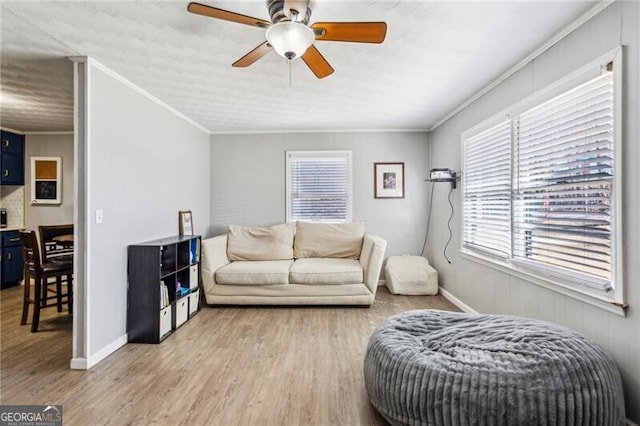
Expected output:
{"points": [[289, 60]]}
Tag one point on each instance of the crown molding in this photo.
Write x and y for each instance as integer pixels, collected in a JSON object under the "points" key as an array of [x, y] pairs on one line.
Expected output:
{"points": [[137, 89], [281, 131]]}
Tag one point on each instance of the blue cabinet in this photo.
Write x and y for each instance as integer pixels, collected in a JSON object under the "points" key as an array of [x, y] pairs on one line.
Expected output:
{"points": [[11, 255], [12, 143], [12, 158]]}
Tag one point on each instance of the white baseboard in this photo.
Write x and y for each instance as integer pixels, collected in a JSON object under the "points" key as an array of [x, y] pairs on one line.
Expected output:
{"points": [[78, 364], [631, 422], [87, 363], [459, 303], [382, 283]]}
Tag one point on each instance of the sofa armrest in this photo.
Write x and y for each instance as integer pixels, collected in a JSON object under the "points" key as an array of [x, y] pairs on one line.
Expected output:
{"points": [[371, 258], [214, 256]]}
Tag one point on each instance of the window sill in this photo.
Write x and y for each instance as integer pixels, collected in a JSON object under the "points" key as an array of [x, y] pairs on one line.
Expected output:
{"points": [[520, 273]]}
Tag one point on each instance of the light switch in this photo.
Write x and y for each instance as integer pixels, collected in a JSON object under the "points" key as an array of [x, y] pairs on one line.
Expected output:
{"points": [[99, 216]]}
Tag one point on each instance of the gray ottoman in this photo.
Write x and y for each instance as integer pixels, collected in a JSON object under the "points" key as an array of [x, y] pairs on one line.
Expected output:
{"points": [[432, 367]]}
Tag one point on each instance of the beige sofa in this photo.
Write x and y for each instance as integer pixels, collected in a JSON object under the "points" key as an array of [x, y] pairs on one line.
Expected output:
{"points": [[292, 264]]}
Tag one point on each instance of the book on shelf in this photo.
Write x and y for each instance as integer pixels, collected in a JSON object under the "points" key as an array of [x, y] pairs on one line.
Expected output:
{"points": [[194, 250], [164, 295]]}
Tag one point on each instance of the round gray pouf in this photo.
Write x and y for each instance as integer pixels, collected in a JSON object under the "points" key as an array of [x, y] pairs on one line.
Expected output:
{"points": [[432, 367]]}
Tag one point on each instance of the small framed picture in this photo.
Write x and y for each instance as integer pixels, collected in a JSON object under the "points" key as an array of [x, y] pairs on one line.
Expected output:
{"points": [[46, 180], [186, 222], [388, 180]]}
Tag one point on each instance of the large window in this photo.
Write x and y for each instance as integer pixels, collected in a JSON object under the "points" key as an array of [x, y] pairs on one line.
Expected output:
{"points": [[539, 189], [487, 190], [563, 181], [319, 186]]}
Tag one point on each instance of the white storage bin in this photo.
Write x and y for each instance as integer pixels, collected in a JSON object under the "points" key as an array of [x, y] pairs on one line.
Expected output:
{"points": [[165, 321], [194, 298], [182, 311], [193, 277]]}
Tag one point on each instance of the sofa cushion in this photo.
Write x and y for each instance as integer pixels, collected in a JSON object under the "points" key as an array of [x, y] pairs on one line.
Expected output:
{"points": [[261, 243], [326, 271], [256, 272], [337, 240]]}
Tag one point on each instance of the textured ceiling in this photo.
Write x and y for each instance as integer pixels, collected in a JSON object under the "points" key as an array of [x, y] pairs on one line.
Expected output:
{"points": [[436, 55]]}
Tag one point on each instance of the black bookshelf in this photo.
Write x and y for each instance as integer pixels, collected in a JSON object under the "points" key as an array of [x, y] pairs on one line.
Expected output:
{"points": [[163, 293]]}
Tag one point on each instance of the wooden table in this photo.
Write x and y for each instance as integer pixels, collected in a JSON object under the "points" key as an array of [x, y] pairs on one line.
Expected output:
{"points": [[65, 240]]}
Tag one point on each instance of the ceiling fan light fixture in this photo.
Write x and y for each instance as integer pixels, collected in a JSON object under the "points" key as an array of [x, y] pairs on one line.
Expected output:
{"points": [[290, 39]]}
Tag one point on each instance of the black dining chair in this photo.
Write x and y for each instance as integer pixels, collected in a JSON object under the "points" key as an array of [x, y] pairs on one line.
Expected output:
{"points": [[52, 250], [46, 293]]}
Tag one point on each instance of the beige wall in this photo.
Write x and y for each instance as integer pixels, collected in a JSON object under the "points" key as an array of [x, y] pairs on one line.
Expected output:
{"points": [[490, 290], [49, 145], [248, 181], [142, 165]]}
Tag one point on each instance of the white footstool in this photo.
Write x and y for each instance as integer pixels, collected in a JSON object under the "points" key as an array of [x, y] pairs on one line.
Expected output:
{"points": [[410, 275]]}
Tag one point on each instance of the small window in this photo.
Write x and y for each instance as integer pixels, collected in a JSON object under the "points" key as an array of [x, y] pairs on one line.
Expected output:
{"points": [[319, 186]]}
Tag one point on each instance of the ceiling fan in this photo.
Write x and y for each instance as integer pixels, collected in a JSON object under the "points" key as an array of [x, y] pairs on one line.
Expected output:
{"points": [[290, 35]]}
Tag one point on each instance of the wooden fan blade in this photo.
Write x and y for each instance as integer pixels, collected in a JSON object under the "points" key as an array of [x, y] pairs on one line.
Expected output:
{"points": [[214, 12], [299, 6], [316, 62], [253, 56], [359, 32]]}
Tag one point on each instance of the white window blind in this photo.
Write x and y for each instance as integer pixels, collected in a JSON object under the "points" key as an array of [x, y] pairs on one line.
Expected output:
{"points": [[319, 186], [563, 181], [541, 190], [487, 190]]}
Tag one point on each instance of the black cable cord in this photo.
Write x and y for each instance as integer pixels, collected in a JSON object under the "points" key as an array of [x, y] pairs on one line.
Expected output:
{"points": [[449, 225], [426, 234]]}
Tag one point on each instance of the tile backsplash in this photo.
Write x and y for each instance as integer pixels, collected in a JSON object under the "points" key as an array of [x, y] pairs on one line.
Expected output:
{"points": [[12, 199]]}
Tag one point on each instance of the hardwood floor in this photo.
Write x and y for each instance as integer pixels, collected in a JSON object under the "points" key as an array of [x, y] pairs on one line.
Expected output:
{"points": [[226, 366]]}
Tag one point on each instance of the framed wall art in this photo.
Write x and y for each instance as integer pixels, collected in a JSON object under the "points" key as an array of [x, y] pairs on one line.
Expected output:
{"points": [[388, 180], [46, 180]]}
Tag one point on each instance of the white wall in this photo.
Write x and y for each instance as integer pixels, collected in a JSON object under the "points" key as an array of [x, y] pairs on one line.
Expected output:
{"points": [[490, 291], [49, 145], [143, 165], [248, 181]]}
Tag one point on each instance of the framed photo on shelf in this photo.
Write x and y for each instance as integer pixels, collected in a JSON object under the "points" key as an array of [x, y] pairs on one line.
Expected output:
{"points": [[186, 222], [388, 180]]}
